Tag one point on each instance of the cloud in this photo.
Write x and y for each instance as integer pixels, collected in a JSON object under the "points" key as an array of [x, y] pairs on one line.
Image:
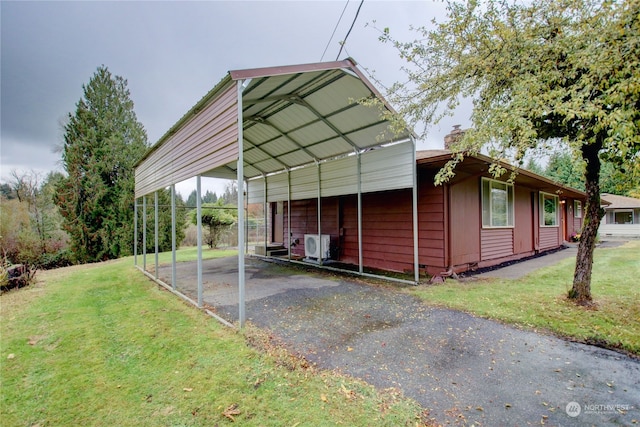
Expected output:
{"points": [[171, 54]]}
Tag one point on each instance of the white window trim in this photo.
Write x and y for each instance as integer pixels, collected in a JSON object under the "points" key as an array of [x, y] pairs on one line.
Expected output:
{"points": [[631, 211], [557, 203], [510, 208], [575, 211]]}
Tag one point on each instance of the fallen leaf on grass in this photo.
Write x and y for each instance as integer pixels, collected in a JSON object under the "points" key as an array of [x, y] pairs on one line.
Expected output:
{"points": [[231, 411], [187, 389], [323, 397], [348, 393]]}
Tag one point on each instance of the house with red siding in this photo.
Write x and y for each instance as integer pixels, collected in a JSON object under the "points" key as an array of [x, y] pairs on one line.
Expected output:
{"points": [[471, 222]]}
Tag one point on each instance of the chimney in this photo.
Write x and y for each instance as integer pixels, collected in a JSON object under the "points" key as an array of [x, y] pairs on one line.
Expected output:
{"points": [[453, 137]]}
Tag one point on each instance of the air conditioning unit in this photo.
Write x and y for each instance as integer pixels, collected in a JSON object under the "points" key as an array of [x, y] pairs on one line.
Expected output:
{"points": [[314, 246]]}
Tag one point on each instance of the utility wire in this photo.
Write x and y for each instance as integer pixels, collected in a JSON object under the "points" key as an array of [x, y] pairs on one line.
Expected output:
{"points": [[334, 30], [350, 28]]}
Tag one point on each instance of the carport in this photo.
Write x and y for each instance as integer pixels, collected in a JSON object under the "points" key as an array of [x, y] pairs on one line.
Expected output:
{"points": [[283, 133]]}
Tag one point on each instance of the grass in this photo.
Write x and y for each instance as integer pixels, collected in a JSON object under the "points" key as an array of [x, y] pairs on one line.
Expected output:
{"points": [[101, 345], [187, 254], [538, 301]]}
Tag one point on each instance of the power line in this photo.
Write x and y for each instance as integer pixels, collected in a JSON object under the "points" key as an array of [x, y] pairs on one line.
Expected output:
{"points": [[350, 28], [334, 31]]}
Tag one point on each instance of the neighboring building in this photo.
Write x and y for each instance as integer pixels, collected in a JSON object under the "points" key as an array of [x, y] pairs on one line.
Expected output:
{"points": [[622, 217], [473, 221]]}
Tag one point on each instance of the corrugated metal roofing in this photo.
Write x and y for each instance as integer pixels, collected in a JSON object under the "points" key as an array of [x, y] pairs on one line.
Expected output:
{"points": [[291, 116]]}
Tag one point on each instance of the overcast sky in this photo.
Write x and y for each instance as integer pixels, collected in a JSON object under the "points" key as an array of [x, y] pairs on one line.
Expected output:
{"points": [[172, 53]]}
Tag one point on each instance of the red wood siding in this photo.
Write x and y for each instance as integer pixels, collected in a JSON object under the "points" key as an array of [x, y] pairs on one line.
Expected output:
{"points": [[387, 230], [496, 243], [450, 232], [464, 208], [523, 235], [550, 237], [304, 220], [349, 230], [574, 225]]}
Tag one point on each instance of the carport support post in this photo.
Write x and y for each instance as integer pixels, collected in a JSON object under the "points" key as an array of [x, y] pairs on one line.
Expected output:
{"points": [[320, 258], [155, 231], [199, 227], [135, 231], [144, 233], [173, 237], [416, 265], [241, 235], [359, 161], [289, 214], [265, 207]]}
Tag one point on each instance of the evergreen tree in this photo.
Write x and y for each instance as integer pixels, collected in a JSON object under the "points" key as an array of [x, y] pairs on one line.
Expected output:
{"points": [[192, 200], [209, 197], [164, 221], [566, 169], [102, 141]]}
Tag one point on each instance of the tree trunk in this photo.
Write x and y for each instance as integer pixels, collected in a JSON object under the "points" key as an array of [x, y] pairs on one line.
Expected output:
{"points": [[581, 290]]}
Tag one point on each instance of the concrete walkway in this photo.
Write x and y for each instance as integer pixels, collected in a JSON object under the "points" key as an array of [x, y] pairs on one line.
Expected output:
{"points": [[522, 268], [465, 370]]}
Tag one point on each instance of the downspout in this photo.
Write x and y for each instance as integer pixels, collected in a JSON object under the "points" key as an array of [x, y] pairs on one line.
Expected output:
{"points": [[447, 226]]}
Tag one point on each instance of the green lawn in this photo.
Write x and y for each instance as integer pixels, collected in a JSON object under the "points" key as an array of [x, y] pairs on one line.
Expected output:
{"points": [[101, 345], [187, 254], [538, 301]]}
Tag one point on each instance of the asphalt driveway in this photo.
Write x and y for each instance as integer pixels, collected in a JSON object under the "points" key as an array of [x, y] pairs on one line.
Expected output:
{"points": [[464, 369]]}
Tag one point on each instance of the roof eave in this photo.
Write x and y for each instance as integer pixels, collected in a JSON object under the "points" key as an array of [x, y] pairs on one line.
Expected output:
{"points": [[489, 160]]}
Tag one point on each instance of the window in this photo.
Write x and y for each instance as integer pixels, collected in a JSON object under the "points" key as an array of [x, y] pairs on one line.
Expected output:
{"points": [[497, 203], [577, 208], [548, 210], [623, 217]]}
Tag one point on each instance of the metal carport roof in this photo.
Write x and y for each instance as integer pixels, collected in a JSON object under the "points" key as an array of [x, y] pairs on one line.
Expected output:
{"points": [[267, 123], [291, 116]]}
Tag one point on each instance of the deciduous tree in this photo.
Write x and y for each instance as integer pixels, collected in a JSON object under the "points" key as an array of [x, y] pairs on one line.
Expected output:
{"points": [[536, 71], [218, 218]]}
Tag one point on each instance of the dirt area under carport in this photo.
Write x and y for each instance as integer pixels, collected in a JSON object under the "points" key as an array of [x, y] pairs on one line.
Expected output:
{"points": [[465, 370]]}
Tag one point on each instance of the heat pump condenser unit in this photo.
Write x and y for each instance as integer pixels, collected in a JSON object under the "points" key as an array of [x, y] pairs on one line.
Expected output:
{"points": [[314, 246]]}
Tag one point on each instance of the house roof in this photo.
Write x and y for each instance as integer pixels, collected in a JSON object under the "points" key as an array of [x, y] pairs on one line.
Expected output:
{"points": [[479, 165], [291, 116], [621, 202]]}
